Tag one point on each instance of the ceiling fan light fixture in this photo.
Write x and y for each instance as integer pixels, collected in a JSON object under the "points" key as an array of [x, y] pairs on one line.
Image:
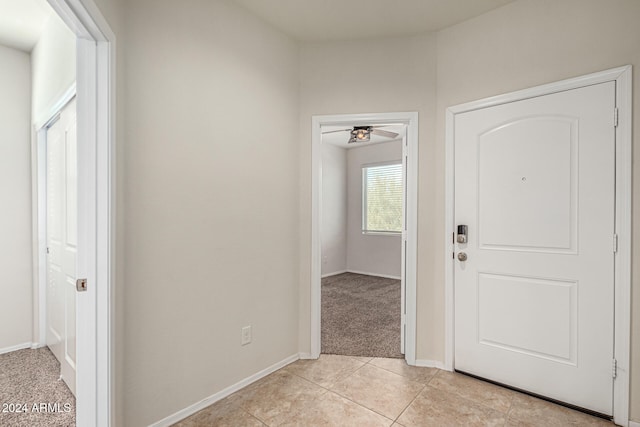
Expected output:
{"points": [[360, 134]]}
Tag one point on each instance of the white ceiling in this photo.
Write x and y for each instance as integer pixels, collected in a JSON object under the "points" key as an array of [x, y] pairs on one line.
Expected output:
{"points": [[22, 21], [339, 139], [324, 20]]}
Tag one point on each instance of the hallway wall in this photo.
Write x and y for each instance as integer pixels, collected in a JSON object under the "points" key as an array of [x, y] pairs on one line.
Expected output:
{"points": [[406, 81], [210, 194], [200, 76], [334, 209], [375, 254], [16, 313], [53, 67]]}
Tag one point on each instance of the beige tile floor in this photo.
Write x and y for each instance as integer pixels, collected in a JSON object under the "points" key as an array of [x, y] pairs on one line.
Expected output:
{"points": [[360, 391]]}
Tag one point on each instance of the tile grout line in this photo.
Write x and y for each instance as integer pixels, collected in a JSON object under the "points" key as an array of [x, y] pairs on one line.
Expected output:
{"points": [[409, 378], [481, 403], [512, 402], [361, 405], [329, 390], [508, 414], [373, 410], [255, 416], [320, 385], [241, 406], [410, 403], [403, 376], [354, 402]]}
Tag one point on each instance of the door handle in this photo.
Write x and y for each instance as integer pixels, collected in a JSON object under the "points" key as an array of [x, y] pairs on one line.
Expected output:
{"points": [[462, 256], [81, 285]]}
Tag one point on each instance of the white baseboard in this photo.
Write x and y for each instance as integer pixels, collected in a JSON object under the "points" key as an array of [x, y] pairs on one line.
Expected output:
{"points": [[423, 363], [306, 356], [190, 410], [335, 273], [15, 347], [366, 273], [35, 345], [634, 424]]}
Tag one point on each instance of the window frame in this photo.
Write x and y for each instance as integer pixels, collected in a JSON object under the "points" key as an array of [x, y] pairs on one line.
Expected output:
{"points": [[363, 189]]}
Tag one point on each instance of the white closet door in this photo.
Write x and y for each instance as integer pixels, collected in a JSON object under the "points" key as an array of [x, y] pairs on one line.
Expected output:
{"points": [[62, 241]]}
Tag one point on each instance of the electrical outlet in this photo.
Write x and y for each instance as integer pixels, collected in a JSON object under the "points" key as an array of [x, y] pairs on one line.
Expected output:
{"points": [[246, 335]]}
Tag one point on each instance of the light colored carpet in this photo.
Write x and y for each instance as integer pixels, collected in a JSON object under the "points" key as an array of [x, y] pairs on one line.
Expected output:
{"points": [[31, 378], [361, 316]]}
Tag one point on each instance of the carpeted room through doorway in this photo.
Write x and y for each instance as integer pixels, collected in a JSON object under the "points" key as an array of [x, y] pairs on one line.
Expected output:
{"points": [[31, 391], [361, 316]]}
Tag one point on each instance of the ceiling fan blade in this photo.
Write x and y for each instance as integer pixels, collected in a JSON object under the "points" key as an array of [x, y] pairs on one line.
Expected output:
{"points": [[334, 131], [385, 133]]}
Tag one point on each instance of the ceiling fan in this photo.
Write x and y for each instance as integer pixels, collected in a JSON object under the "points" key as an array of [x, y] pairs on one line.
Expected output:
{"points": [[363, 133]]}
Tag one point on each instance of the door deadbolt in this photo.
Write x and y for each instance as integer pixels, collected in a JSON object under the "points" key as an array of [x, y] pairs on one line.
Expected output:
{"points": [[462, 256], [462, 234]]}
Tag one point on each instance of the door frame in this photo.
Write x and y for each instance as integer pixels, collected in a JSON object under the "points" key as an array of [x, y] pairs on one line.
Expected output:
{"points": [[410, 119], [622, 76], [95, 91]]}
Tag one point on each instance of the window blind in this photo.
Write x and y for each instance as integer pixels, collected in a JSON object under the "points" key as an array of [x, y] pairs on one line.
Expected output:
{"points": [[382, 198]]}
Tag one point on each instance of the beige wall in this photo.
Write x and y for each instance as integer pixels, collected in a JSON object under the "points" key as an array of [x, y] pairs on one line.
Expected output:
{"points": [[207, 60], [211, 212], [16, 313], [344, 246], [53, 67], [375, 254], [531, 42], [523, 44], [334, 209], [392, 75]]}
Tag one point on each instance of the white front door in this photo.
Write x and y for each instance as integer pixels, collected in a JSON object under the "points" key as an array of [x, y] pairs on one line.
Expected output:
{"points": [[62, 241], [534, 184]]}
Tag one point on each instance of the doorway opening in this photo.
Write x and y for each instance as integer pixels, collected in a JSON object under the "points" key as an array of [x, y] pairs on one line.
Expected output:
{"points": [[91, 203], [83, 32], [360, 244], [361, 235], [38, 56]]}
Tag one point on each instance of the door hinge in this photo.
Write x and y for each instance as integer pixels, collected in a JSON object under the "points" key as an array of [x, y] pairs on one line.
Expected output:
{"points": [[615, 117], [614, 370], [48, 250], [615, 243]]}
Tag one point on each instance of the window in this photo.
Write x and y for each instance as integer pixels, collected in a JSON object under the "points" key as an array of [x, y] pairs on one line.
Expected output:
{"points": [[382, 198]]}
